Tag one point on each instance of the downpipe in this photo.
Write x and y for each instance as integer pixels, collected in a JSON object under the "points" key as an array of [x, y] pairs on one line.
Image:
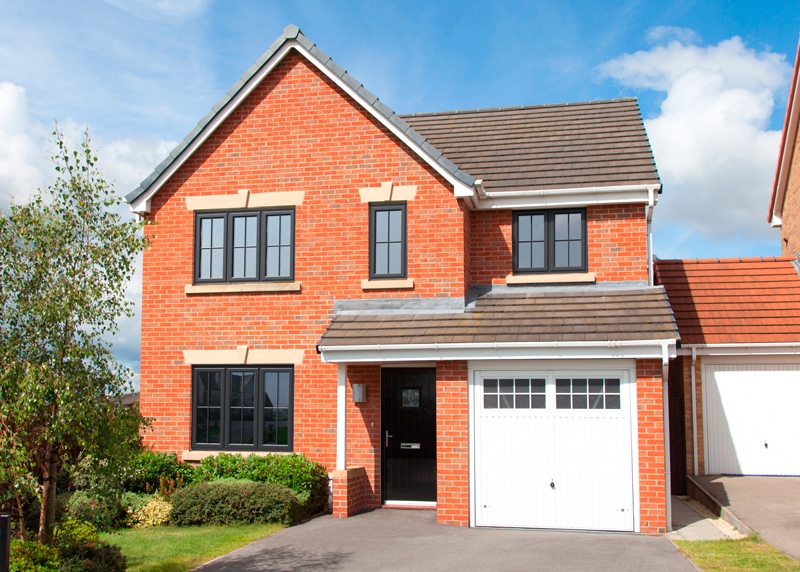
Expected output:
{"points": [[665, 405]]}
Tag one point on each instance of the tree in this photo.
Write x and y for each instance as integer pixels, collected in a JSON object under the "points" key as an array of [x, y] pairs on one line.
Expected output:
{"points": [[65, 260]]}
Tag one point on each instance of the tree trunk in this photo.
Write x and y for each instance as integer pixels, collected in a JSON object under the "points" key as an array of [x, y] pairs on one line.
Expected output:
{"points": [[23, 532], [47, 512]]}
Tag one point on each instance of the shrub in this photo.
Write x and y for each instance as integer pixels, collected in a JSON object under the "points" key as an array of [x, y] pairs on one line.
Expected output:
{"points": [[235, 502], [104, 512], [93, 557], [71, 532], [133, 502], [33, 557], [155, 513], [153, 471], [219, 466]]}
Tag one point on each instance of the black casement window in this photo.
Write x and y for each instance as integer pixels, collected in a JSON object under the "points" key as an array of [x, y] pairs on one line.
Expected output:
{"points": [[242, 408], [244, 246], [387, 240], [549, 241]]}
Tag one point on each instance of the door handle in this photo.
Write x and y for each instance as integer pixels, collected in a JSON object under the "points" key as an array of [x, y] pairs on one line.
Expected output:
{"points": [[552, 484], [387, 438]]}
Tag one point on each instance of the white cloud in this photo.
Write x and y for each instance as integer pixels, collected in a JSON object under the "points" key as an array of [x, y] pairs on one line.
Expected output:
{"points": [[25, 150], [713, 148], [660, 34], [158, 9]]}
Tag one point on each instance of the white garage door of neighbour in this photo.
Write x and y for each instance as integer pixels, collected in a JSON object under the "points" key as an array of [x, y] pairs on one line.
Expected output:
{"points": [[553, 450], [751, 419]]}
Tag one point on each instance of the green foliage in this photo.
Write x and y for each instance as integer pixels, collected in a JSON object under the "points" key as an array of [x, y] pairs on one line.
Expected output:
{"points": [[93, 557], [235, 502], [33, 557], [307, 479], [156, 512], [103, 512], [152, 471], [65, 260], [133, 502], [70, 532]]}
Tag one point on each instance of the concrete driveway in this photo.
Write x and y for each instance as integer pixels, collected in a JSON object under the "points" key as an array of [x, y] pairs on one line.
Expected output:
{"points": [[768, 505], [411, 540]]}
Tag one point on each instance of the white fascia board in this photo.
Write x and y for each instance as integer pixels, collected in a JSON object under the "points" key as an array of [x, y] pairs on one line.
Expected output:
{"points": [[138, 205], [742, 349], [619, 194], [638, 349], [786, 155]]}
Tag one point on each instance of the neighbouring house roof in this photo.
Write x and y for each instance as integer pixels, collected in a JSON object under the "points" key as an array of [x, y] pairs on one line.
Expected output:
{"points": [[733, 300], [582, 316], [787, 148], [571, 145]]}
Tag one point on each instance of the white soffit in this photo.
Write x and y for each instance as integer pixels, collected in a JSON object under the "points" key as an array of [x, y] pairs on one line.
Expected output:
{"points": [[575, 197]]}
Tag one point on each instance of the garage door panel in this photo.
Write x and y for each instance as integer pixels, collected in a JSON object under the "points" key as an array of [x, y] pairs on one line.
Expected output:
{"points": [[750, 412]]}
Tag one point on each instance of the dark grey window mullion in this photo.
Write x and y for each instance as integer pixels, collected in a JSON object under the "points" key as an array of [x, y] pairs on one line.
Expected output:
{"points": [[199, 249], [380, 214]]}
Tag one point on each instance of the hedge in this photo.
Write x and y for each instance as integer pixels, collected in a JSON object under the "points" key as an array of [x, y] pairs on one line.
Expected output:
{"points": [[231, 501]]}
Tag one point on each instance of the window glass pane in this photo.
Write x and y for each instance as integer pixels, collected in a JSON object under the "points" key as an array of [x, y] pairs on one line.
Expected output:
{"points": [[251, 234], [273, 261], [563, 402], [248, 426], [249, 390], [579, 386], [506, 386], [506, 401], [236, 389], [202, 388], [595, 386], [273, 230], [537, 385], [575, 226], [283, 389], [235, 426], [595, 401], [238, 262], [524, 255], [381, 226], [524, 228], [562, 385], [215, 386], [612, 386], [205, 233], [217, 232], [537, 255], [286, 230], [394, 258], [561, 255], [216, 263], [270, 427], [214, 425], [205, 264], [238, 230], [490, 402], [522, 401], [579, 402], [381, 258], [250, 263], [538, 401], [490, 386], [575, 254], [562, 226], [283, 427], [201, 425], [537, 227], [522, 385], [612, 401], [286, 256], [271, 389], [395, 225]]}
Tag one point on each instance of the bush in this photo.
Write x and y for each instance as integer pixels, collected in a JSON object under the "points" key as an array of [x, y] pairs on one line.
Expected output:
{"points": [[153, 471], [104, 512], [33, 557], [71, 532], [235, 502], [133, 502], [93, 557], [307, 479], [155, 513]]}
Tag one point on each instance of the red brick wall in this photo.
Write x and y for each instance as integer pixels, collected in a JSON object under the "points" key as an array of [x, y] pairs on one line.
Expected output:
{"points": [[364, 429], [617, 244], [296, 131], [452, 443], [790, 223], [652, 483], [349, 492]]}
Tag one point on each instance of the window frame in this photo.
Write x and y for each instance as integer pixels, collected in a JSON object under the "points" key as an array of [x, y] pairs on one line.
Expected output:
{"points": [[227, 248], [258, 418], [549, 241], [387, 207]]}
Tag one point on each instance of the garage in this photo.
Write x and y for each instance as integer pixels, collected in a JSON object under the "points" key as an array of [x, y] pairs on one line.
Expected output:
{"points": [[750, 413], [554, 449]]}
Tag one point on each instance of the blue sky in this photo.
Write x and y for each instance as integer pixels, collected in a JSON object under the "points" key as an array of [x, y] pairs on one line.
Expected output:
{"points": [[712, 79]]}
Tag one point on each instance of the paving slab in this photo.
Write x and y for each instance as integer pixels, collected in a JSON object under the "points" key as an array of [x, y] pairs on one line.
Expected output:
{"points": [[688, 524], [399, 540], [768, 505]]}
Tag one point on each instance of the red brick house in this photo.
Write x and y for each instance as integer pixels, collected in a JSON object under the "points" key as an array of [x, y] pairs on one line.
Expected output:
{"points": [[449, 310], [736, 374]]}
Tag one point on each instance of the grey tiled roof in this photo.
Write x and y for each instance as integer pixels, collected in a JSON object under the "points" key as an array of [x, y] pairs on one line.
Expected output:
{"points": [[292, 32], [598, 143], [636, 314]]}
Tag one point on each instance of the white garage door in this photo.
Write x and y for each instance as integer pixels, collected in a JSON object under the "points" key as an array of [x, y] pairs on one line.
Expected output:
{"points": [[553, 450], [751, 419]]}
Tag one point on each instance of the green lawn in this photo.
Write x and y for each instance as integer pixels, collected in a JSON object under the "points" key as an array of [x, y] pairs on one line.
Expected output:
{"points": [[748, 554], [177, 549]]}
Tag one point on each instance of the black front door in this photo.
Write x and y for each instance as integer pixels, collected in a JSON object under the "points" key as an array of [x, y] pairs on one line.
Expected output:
{"points": [[408, 432]]}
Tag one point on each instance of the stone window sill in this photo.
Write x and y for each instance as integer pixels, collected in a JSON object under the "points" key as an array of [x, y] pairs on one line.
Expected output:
{"points": [[387, 284], [562, 278], [242, 287]]}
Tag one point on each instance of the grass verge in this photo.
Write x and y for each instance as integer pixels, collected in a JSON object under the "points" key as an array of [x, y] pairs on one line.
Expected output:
{"points": [[748, 554], [177, 549]]}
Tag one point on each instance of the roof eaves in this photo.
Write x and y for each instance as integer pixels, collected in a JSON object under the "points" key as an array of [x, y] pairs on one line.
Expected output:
{"points": [[292, 32]]}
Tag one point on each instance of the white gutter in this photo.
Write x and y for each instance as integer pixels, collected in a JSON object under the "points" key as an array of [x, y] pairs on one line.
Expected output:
{"points": [[747, 349], [694, 413], [613, 194], [665, 404], [376, 353]]}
